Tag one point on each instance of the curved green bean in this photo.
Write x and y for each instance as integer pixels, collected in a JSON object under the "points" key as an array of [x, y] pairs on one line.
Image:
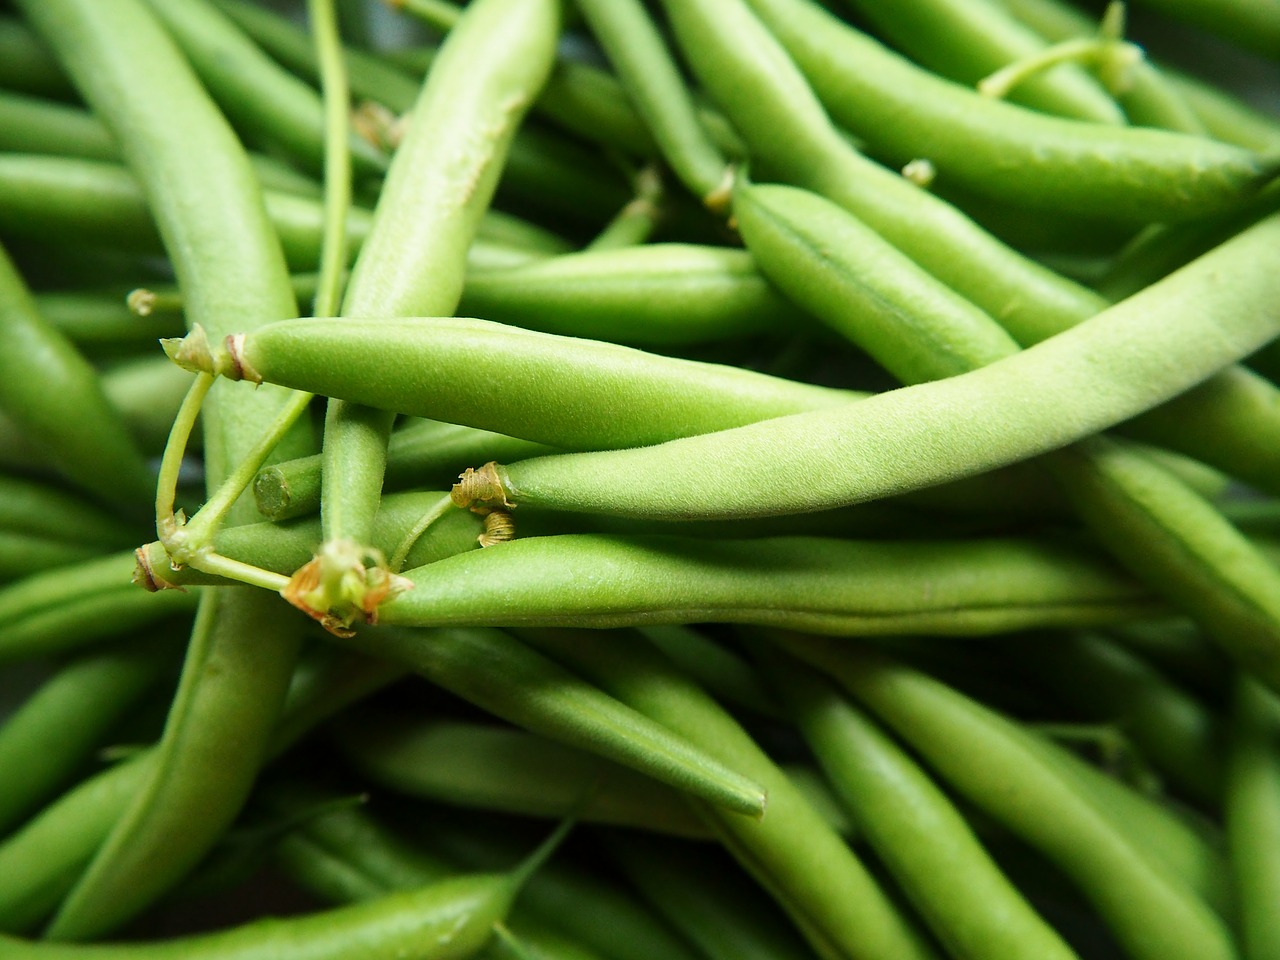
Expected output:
{"points": [[987, 759]]}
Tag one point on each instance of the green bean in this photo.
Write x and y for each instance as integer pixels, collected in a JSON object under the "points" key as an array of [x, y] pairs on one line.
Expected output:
{"points": [[26, 553], [226, 257], [1042, 398], [493, 671], [719, 670], [1178, 734], [1252, 25], [649, 295], [1043, 162], [449, 368], [55, 730], [30, 507], [490, 768], [965, 42], [103, 322], [792, 853], [45, 126], [51, 392], [705, 899], [451, 919], [651, 78], [968, 902], [26, 65], [829, 586], [986, 759], [1226, 117], [72, 606], [1253, 786], [598, 912]]}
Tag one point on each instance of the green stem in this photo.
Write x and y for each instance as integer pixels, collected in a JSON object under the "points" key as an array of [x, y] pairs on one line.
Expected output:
{"points": [[431, 516], [337, 156], [174, 450]]}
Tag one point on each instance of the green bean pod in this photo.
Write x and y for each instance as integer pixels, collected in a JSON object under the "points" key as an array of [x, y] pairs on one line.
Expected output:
{"points": [[26, 64], [30, 507], [966, 41], [1040, 161], [799, 860], [1125, 360], [56, 729], [656, 294], [50, 390], [496, 377], [986, 758], [918, 833], [483, 767], [846, 588], [72, 606], [33, 125], [1253, 829], [704, 898], [449, 920]]}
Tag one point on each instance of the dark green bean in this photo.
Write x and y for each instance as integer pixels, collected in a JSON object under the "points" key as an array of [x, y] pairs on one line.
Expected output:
{"points": [[792, 853], [705, 899], [55, 730], [30, 507], [35, 125], [490, 768], [987, 759], [1253, 829], [52, 393], [227, 257], [26, 65], [1250, 24]]}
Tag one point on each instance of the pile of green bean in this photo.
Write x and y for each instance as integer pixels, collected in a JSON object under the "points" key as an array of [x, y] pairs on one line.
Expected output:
{"points": [[821, 458]]}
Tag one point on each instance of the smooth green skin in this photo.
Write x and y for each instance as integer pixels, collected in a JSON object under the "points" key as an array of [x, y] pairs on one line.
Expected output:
{"points": [[26, 65], [205, 198], [1224, 423], [706, 900], [649, 295], [987, 759], [101, 322], [1105, 682], [656, 87], [348, 855], [1253, 829], [967, 40], [571, 393], [849, 588], [919, 330], [998, 148], [283, 548], [1119, 363], [724, 674], [916, 831], [25, 553], [441, 180], [1226, 117], [257, 95], [1251, 23], [36, 125], [492, 768], [53, 394], [45, 858], [502, 676], [27, 506], [450, 920], [804, 865], [72, 606], [1165, 834], [597, 911], [423, 452], [55, 730]]}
